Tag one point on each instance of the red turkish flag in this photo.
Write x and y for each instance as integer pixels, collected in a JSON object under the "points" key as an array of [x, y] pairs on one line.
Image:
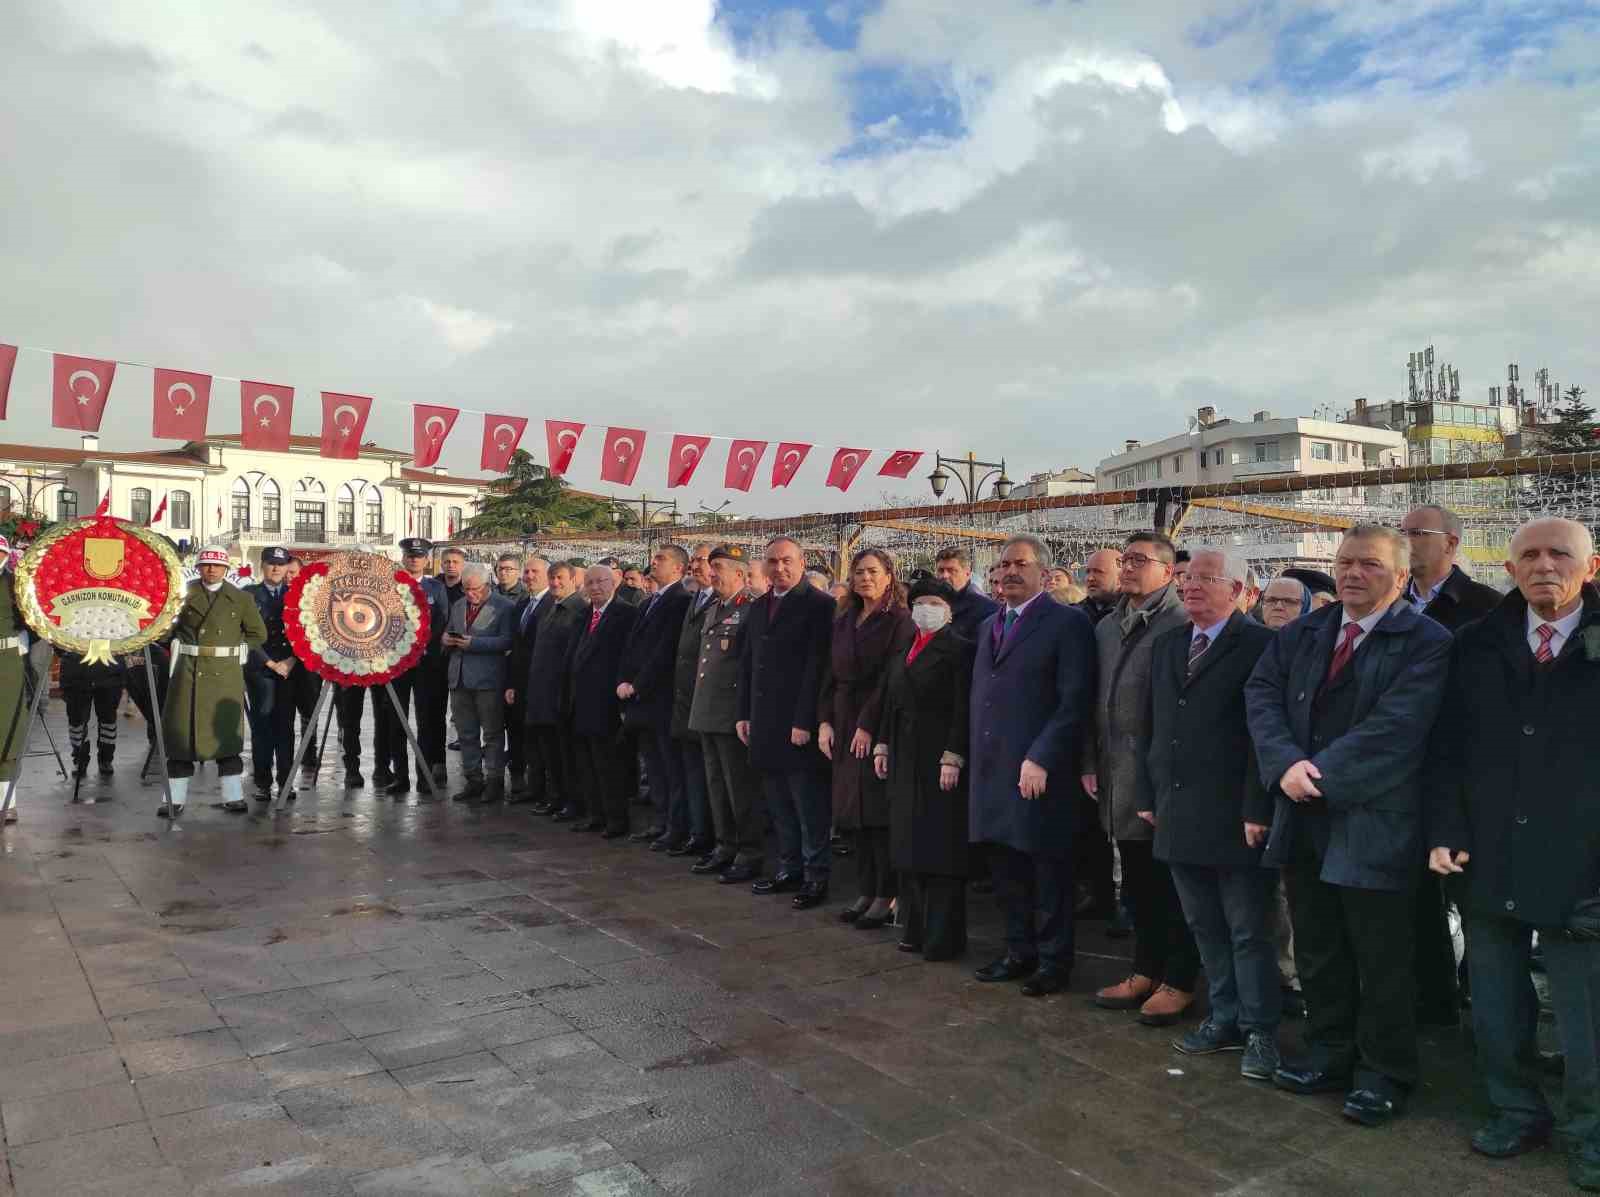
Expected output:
{"points": [[501, 436], [105, 505], [685, 458], [429, 428], [743, 458], [78, 399], [846, 465], [344, 419], [181, 403], [265, 413], [619, 460], [900, 464], [8, 363], [161, 510], [788, 459], [561, 439]]}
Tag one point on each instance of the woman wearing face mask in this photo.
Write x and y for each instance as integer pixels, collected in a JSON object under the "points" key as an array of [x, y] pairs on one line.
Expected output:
{"points": [[872, 627], [922, 753]]}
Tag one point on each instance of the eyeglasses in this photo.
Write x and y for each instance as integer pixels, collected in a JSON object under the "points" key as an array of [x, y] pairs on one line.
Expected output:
{"points": [[1138, 560], [1209, 580], [1280, 602], [1413, 533]]}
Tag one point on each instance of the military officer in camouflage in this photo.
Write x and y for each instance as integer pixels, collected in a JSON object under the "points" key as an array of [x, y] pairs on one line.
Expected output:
{"points": [[203, 718], [13, 661]]}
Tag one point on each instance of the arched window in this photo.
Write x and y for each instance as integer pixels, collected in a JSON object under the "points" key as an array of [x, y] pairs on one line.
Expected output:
{"points": [[310, 511], [241, 505], [347, 510], [455, 522], [372, 525], [139, 505], [178, 511], [424, 521], [67, 505], [271, 506]]}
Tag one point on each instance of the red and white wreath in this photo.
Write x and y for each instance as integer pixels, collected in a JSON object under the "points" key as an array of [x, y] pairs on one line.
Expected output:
{"points": [[355, 620]]}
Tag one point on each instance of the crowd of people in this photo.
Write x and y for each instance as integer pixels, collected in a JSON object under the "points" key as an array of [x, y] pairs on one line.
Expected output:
{"points": [[1296, 779]]}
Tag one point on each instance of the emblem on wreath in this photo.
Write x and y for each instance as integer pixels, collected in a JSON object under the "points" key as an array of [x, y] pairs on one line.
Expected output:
{"points": [[354, 619]]}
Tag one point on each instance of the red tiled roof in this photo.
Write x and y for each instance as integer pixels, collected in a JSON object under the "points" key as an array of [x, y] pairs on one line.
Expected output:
{"points": [[411, 475], [297, 441], [46, 454]]}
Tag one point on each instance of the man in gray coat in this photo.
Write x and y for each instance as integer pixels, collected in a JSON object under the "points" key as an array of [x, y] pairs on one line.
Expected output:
{"points": [[476, 641], [1165, 960]]}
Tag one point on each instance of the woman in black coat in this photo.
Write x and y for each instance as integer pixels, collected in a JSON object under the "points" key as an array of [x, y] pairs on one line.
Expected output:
{"points": [[922, 753], [872, 627]]}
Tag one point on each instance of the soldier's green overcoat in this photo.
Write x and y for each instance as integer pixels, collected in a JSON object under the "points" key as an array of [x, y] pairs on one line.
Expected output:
{"points": [[13, 707], [203, 719]]}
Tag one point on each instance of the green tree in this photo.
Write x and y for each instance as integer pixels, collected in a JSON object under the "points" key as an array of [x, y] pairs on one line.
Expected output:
{"points": [[527, 499], [1573, 430]]}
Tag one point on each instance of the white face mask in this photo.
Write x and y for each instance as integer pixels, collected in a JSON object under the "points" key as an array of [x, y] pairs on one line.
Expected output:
{"points": [[930, 617]]}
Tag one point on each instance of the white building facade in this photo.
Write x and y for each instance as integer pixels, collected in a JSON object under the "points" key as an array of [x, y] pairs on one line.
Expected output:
{"points": [[218, 493]]}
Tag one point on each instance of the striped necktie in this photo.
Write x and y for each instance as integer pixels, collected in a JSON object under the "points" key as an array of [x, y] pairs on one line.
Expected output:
{"points": [[1544, 654], [1197, 646]]}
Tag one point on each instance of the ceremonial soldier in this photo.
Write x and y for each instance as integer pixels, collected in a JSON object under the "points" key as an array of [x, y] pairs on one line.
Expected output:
{"points": [[425, 681], [13, 662], [203, 719], [96, 688], [269, 679]]}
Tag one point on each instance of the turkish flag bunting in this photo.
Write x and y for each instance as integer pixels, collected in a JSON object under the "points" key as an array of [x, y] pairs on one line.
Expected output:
{"points": [[619, 460], [8, 363], [561, 439], [265, 414], [743, 458], [846, 465], [105, 506], [900, 463], [78, 399], [501, 436], [181, 402], [789, 457], [161, 510], [685, 458], [344, 419], [429, 427]]}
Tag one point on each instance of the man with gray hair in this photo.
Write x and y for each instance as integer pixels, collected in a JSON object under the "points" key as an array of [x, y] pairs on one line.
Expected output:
{"points": [[1199, 789], [1513, 818], [1283, 602], [476, 641], [1339, 706]]}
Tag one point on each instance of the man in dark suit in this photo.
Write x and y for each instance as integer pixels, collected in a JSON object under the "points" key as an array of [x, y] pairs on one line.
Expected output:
{"points": [[702, 841], [786, 640], [1514, 814], [476, 642], [972, 606], [645, 688], [1032, 701], [1340, 705], [1441, 590], [548, 710], [423, 684], [1200, 790], [598, 744], [528, 766]]}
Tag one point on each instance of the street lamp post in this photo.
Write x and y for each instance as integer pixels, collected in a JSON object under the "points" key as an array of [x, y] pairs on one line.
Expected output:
{"points": [[646, 506], [965, 471]]}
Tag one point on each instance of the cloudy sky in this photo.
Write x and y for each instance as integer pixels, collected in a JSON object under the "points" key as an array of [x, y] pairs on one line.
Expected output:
{"points": [[1027, 228]]}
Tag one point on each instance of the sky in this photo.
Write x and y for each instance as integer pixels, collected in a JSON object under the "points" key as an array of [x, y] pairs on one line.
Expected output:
{"points": [[1027, 228]]}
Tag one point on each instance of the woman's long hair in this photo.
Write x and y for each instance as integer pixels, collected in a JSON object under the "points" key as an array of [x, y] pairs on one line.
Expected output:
{"points": [[894, 596]]}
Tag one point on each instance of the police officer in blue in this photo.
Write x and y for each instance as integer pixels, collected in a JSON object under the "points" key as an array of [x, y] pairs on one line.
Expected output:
{"points": [[424, 684], [269, 680]]}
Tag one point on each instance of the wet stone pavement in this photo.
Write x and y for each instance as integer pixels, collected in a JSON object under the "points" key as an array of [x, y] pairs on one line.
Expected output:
{"points": [[370, 996]]}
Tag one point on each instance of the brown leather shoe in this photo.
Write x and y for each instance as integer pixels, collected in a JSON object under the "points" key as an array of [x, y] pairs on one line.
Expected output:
{"points": [[1165, 1007], [1125, 995]]}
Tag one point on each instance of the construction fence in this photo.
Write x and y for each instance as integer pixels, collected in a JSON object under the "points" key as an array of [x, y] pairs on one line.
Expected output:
{"points": [[1273, 522]]}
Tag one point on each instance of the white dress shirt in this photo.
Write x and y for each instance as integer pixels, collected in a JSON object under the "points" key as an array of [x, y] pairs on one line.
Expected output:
{"points": [[1367, 624], [1564, 627], [1210, 633]]}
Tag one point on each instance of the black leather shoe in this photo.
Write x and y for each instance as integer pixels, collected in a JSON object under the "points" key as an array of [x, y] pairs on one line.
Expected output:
{"points": [[1046, 981], [1007, 968], [710, 864], [397, 787], [1372, 1108], [380, 780], [608, 833], [1503, 1136], [518, 797], [541, 808], [563, 816], [353, 780], [690, 847], [590, 825], [812, 894], [453, 746], [871, 922], [739, 874], [471, 792], [1306, 1081], [908, 945], [781, 883], [647, 836], [665, 845]]}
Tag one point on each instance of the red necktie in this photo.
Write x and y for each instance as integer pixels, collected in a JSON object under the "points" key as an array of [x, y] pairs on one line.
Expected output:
{"points": [[594, 620], [1346, 650], [1543, 653]]}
